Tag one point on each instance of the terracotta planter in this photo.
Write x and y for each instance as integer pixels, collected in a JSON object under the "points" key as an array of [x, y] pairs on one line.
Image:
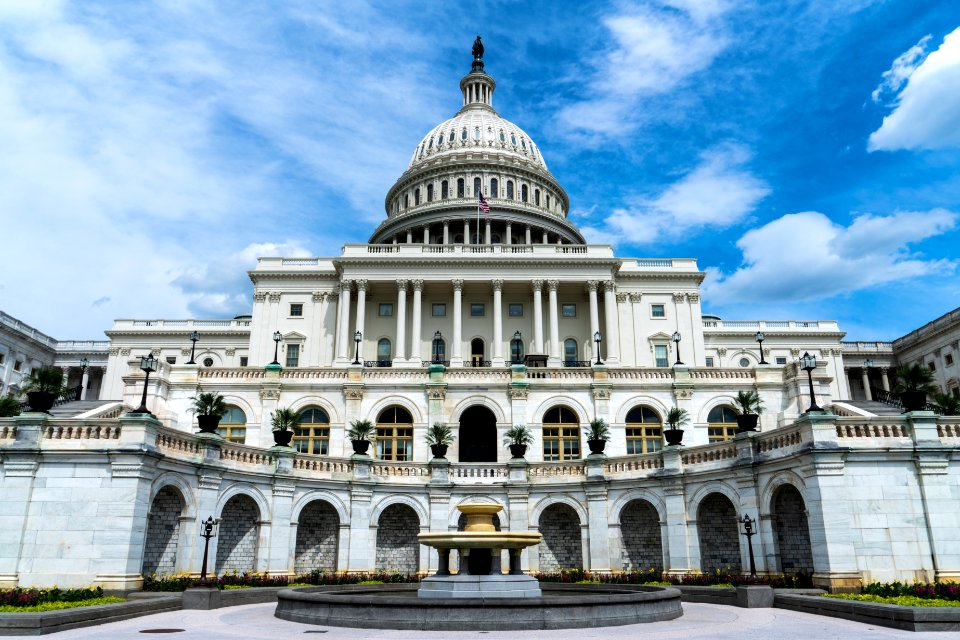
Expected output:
{"points": [[911, 400], [747, 422], [360, 446], [673, 436], [517, 450], [282, 438], [439, 450], [208, 424], [596, 446], [40, 401]]}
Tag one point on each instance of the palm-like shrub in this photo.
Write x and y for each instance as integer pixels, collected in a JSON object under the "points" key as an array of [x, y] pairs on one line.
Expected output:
{"points": [[44, 380], [677, 418], [440, 434], [9, 407], [209, 404], [913, 377], [284, 419], [518, 434], [598, 430], [948, 404], [361, 430], [748, 402]]}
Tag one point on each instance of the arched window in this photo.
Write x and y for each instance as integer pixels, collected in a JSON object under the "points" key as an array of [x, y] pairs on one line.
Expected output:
{"points": [[523, 143], [644, 431], [312, 434], [406, 201], [383, 352], [444, 190], [233, 425], [523, 192], [476, 352], [548, 202], [416, 196], [460, 188], [721, 423], [463, 134], [476, 133], [452, 135], [395, 434], [439, 349], [477, 186], [513, 139], [494, 188], [440, 140], [561, 435], [536, 197], [430, 193], [502, 137], [430, 144], [509, 189], [570, 352]]}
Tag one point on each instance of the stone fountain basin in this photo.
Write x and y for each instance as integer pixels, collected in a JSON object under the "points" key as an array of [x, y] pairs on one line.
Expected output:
{"points": [[480, 539]]}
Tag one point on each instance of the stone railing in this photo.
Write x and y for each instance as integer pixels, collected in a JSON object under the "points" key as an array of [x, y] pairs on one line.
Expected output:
{"points": [[320, 465], [8, 431], [417, 249], [313, 373], [400, 470], [867, 347], [177, 441], [479, 471], [573, 469], [100, 429], [709, 453], [242, 454], [634, 464], [778, 439], [753, 325], [641, 374], [411, 376], [563, 373], [226, 373], [182, 325], [24, 329], [874, 427], [948, 427], [477, 374], [722, 374]]}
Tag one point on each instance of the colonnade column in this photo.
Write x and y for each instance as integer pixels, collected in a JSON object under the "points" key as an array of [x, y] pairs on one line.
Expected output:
{"points": [[84, 381], [554, 359], [529, 237], [343, 320], [409, 236], [415, 325], [488, 235], [613, 326], [446, 232], [546, 237], [537, 312], [361, 307], [456, 357], [865, 377], [400, 348], [509, 234], [497, 358], [466, 232], [426, 234], [885, 379], [594, 311]]}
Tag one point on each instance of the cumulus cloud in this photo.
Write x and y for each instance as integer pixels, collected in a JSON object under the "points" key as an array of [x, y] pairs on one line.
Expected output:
{"points": [[717, 193], [803, 256], [926, 113]]}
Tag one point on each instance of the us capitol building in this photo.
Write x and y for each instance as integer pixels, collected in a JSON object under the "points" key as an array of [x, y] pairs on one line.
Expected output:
{"points": [[480, 322]]}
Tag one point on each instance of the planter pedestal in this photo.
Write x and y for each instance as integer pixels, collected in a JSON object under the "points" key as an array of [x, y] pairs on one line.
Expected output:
{"points": [[203, 598]]}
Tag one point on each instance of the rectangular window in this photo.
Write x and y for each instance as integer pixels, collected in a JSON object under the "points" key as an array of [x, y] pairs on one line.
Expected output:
{"points": [[439, 310], [386, 310], [568, 310], [515, 310], [17, 365], [171, 359], [3, 357], [781, 360], [947, 359], [644, 439], [293, 355], [233, 432], [477, 310], [296, 310], [243, 361], [721, 432], [660, 355], [313, 439], [709, 361], [657, 311], [932, 366], [561, 443], [395, 443]]}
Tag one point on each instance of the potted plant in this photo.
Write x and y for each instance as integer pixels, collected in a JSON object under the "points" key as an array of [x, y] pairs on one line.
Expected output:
{"points": [[9, 407], [597, 435], [949, 405], [750, 406], [439, 437], [518, 437], [283, 421], [677, 418], [43, 386], [209, 408], [361, 433], [914, 381]]}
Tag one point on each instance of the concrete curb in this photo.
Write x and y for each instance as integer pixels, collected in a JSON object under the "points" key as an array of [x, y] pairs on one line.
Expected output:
{"points": [[885, 615], [41, 623]]}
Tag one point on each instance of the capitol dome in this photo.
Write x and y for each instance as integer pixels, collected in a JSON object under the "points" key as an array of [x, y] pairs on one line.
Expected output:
{"points": [[475, 152]]}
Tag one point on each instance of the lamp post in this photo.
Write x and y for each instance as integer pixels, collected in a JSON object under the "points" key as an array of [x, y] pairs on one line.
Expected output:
{"points": [[276, 346], [676, 339], [516, 347], [357, 337], [194, 337], [598, 339], [147, 364], [760, 337], [84, 363], [207, 533], [748, 531], [435, 351], [809, 363]]}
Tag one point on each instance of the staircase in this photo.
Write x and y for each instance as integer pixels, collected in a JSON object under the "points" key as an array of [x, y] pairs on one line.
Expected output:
{"points": [[875, 407], [77, 407]]}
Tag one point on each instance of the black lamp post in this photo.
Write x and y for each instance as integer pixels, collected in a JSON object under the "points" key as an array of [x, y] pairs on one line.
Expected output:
{"points": [[597, 338], [84, 363], [277, 337], [760, 337], [437, 341], [357, 337], [194, 337], [147, 364], [676, 340], [207, 533], [809, 363], [516, 348], [748, 531]]}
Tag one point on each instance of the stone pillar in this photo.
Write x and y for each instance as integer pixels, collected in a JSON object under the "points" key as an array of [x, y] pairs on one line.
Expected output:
{"points": [[466, 232], [529, 235], [409, 236], [885, 379], [446, 232], [363, 552], [554, 359], [509, 234], [488, 235], [497, 357], [456, 355], [279, 556], [84, 381], [546, 237], [865, 378], [612, 338], [400, 348], [361, 308], [343, 321], [594, 311], [415, 324], [426, 234], [676, 534], [537, 311]]}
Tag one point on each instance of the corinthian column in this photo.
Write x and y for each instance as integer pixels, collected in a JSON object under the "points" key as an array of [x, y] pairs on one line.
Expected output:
{"points": [[361, 307], [537, 315], [343, 322], [415, 325], [456, 355], [401, 348], [554, 359], [497, 359], [613, 325], [594, 311]]}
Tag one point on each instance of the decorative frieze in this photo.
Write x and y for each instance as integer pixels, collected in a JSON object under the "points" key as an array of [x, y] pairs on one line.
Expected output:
{"points": [[519, 393], [270, 393], [353, 392]]}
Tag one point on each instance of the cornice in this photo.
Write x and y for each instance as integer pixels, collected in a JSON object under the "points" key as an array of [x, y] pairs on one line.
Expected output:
{"points": [[485, 261]]}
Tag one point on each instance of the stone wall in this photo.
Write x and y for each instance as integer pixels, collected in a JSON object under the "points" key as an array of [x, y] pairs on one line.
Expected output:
{"points": [[561, 547], [163, 533], [791, 532], [237, 536], [719, 534], [397, 546], [640, 532], [318, 529]]}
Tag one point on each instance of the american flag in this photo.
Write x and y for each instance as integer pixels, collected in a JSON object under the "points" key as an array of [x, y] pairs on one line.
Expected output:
{"points": [[484, 205]]}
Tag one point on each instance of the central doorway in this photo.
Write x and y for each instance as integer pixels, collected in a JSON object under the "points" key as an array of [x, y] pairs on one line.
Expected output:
{"points": [[478, 435]]}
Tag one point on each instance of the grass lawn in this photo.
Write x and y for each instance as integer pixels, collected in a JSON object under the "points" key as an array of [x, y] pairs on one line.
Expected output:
{"points": [[906, 601], [54, 606]]}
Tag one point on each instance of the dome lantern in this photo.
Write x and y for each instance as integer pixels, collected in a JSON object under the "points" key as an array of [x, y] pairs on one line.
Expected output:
{"points": [[477, 86]]}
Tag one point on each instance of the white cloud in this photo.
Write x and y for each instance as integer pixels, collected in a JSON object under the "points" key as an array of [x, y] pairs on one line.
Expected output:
{"points": [[926, 114], [717, 193], [803, 256]]}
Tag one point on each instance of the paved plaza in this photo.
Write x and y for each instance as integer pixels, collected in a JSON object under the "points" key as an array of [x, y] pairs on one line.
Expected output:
{"points": [[705, 621]]}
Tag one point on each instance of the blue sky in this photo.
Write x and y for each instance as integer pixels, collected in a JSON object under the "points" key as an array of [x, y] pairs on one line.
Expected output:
{"points": [[807, 153]]}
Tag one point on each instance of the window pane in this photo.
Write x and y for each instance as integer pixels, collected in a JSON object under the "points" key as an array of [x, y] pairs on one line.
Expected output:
{"points": [[293, 355], [568, 310], [657, 311], [296, 309], [515, 310], [660, 352], [476, 310], [386, 309], [439, 310]]}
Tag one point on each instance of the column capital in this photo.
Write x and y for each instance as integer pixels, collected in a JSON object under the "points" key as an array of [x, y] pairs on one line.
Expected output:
{"points": [[609, 285], [402, 284], [346, 285], [274, 296], [497, 284], [319, 296], [361, 285], [553, 284], [622, 297], [693, 297], [679, 297], [537, 284], [259, 296], [333, 295], [591, 285], [417, 285], [457, 284]]}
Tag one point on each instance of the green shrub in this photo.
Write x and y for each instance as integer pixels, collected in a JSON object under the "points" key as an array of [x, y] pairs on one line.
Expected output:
{"points": [[941, 590], [718, 578], [54, 606], [21, 597], [179, 582], [906, 601]]}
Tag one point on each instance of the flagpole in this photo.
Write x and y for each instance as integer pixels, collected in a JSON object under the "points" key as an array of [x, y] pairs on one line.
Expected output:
{"points": [[478, 214]]}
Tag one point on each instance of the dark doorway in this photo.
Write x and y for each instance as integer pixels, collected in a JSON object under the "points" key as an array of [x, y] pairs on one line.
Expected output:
{"points": [[478, 435]]}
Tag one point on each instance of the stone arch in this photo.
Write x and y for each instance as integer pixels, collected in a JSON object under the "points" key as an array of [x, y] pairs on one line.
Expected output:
{"points": [[317, 401], [561, 547], [477, 435], [713, 403], [251, 492], [238, 535], [693, 503], [549, 501], [791, 530], [163, 531], [319, 494], [398, 548], [388, 501], [177, 482], [247, 408], [474, 400], [719, 534], [216, 357], [640, 533], [656, 501], [400, 401], [318, 532], [583, 416], [743, 353], [767, 491], [639, 401]]}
